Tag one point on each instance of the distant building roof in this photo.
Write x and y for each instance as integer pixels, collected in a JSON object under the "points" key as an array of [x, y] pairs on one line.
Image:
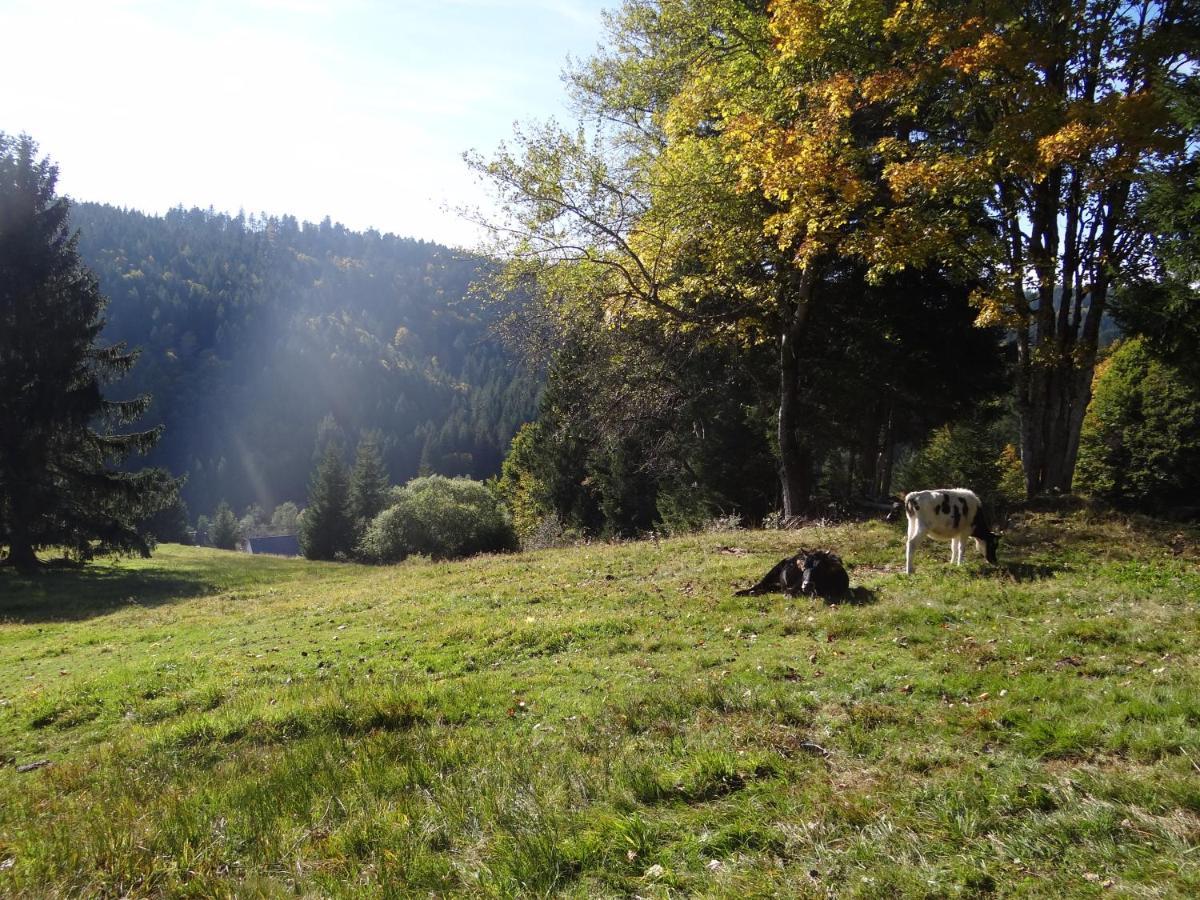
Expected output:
{"points": [[277, 544]]}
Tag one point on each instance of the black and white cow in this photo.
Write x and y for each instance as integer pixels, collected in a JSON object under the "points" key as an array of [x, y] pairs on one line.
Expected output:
{"points": [[953, 513]]}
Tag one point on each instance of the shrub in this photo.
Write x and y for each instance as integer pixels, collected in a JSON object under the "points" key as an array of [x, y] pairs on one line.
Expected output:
{"points": [[1140, 443], [684, 509], [550, 531], [439, 517], [521, 488], [965, 454], [224, 532]]}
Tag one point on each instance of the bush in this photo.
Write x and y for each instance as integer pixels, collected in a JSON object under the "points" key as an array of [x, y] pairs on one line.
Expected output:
{"points": [[550, 532], [224, 533], [526, 495], [1140, 443], [687, 508], [966, 454], [439, 517]]}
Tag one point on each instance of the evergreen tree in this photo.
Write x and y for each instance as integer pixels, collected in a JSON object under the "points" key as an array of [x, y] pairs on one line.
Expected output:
{"points": [[1163, 305], [59, 438], [224, 532], [170, 524], [368, 481], [1141, 439], [326, 529], [329, 437]]}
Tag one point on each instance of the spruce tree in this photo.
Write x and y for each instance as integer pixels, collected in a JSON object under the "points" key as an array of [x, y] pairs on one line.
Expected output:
{"points": [[170, 524], [326, 529], [368, 482], [225, 529], [60, 441]]}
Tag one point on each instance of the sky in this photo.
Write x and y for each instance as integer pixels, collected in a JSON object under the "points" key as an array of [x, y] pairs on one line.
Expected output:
{"points": [[359, 109]]}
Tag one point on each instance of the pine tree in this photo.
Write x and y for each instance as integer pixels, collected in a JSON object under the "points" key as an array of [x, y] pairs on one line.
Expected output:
{"points": [[59, 438], [368, 482], [170, 524], [326, 529], [225, 530]]}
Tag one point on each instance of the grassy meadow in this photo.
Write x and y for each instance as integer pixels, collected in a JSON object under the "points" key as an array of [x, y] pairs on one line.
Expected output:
{"points": [[609, 720]]}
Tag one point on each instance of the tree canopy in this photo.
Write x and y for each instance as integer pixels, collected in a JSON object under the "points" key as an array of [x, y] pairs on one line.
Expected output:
{"points": [[739, 158]]}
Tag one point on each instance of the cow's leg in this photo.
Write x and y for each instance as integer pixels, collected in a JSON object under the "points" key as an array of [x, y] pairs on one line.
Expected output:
{"points": [[915, 533], [956, 550]]}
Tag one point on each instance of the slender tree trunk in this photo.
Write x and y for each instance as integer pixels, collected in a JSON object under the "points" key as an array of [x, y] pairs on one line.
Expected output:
{"points": [[792, 479], [884, 485], [794, 458], [1083, 397], [1028, 409], [870, 452]]}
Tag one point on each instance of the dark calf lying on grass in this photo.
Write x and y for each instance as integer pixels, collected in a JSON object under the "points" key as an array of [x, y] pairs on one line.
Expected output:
{"points": [[817, 573]]}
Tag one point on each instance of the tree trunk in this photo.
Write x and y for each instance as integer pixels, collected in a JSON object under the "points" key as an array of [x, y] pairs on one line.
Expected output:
{"points": [[870, 453], [1033, 450], [1059, 391], [884, 485], [1051, 424], [795, 458], [21, 555], [793, 480], [1083, 398]]}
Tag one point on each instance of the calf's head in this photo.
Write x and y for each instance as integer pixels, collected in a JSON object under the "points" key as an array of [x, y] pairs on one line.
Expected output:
{"points": [[988, 542], [985, 539]]}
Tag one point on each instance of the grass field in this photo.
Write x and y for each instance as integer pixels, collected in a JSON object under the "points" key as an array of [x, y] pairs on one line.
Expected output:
{"points": [[610, 720]]}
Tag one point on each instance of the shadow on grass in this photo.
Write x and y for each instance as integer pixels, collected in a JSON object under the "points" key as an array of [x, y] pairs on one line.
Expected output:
{"points": [[1020, 571], [63, 594], [861, 596]]}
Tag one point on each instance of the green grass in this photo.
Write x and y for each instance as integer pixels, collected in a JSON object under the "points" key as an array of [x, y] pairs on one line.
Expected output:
{"points": [[610, 720]]}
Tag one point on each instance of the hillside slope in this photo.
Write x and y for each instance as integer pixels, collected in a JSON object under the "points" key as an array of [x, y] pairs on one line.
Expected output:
{"points": [[253, 330], [609, 720]]}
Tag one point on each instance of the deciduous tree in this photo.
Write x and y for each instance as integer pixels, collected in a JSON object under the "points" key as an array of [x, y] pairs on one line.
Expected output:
{"points": [[1046, 116], [728, 182]]}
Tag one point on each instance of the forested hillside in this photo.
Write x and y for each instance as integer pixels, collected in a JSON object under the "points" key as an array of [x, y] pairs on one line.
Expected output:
{"points": [[262, 336]]}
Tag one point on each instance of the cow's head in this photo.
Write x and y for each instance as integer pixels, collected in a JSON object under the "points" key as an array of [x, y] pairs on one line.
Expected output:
{"points": [[807, 586], [988, 543], [818, 568]]}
